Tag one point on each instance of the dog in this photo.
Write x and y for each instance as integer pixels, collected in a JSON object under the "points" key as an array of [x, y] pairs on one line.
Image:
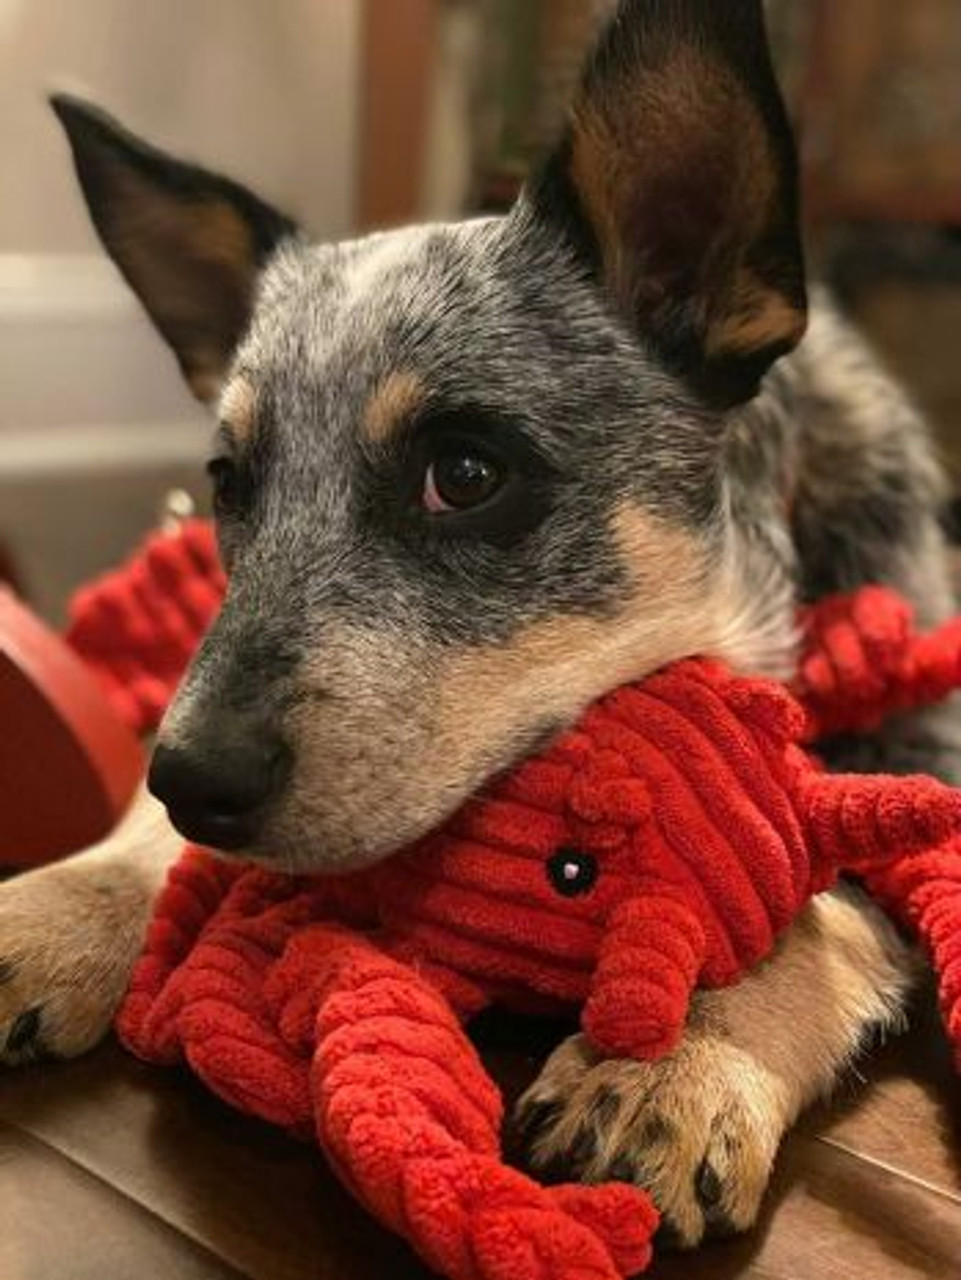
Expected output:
{"points": [[466, 479]]}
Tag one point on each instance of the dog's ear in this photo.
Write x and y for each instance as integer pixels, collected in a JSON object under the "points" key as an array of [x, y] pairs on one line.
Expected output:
{"points": [[189, 242], [676, 179]]}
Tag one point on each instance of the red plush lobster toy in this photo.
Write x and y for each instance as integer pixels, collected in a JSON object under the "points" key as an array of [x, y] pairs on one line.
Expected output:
{"points": [[662, 843]]}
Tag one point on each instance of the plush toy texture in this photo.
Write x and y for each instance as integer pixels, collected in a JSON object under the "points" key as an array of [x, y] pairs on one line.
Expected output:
{"points": [[663, 842], [138, 627], [309, 1025], [863, 660]]}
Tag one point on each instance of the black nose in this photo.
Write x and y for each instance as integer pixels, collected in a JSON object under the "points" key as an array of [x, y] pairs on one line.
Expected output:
{"points": [[217, 792]]}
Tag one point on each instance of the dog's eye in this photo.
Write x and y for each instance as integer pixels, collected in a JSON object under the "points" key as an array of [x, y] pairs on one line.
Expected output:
{"points": [[225, 478], [572, 872], [460, 479]]}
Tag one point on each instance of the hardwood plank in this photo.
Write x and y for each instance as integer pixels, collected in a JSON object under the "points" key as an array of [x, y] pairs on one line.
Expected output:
{"points": [[910, 1117], [51, 1210], [865, 1190], [263, 1203]]}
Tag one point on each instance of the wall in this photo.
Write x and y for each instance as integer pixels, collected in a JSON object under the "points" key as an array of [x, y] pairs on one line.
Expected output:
{"points": [[94, 423], [264, 89]]}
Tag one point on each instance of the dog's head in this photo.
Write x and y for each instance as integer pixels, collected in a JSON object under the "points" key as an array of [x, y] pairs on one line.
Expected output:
{"points": [[467, 477]]}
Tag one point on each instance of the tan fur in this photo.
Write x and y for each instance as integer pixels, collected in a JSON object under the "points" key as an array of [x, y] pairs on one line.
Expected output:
{"points": [[392, 404], [238, 407], [635, 146], [398, 752], [213, 237], [754, 1055], [754, 614], [458, 714], [758, 318], [69, 934], [567, 660]]}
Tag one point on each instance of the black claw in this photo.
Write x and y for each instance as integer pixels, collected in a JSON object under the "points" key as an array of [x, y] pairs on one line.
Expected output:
{"points": [[566, 1166], [710, 1193], [539, 1115], [25, 1032], [667, 1238], [718, 1226], [583, 1148], [623, 1170], [708, 1185]]}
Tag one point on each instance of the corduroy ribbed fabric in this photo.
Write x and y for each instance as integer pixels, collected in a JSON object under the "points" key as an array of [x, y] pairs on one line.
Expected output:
{"points": [[664, 842]]}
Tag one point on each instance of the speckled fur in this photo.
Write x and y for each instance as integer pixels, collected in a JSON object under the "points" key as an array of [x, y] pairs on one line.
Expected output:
{"points": [[346, 618], [404, 668]]}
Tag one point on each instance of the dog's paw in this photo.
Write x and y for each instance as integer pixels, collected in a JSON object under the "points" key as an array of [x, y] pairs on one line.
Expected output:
{"points": [[68, 938], [699, 1130]]}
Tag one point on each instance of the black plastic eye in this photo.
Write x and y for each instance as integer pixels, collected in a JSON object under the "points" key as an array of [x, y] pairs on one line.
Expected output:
{"points": [[572, 872]]}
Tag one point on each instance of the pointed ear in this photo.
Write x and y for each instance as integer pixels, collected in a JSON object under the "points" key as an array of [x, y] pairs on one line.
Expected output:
{"points": [[677, 182], [190, 243]]}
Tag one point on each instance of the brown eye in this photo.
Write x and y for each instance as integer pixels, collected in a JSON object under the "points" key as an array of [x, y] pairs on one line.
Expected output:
{"points": [[458, 481], [225, 478]]}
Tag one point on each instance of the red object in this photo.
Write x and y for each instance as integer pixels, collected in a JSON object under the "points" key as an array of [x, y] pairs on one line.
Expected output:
{"points": [[137, 627], [664, 842], [864, 660], [315, 1028], [68, 766]]}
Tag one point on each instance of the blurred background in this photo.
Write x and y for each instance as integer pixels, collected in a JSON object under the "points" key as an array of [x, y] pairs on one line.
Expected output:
{"points": [[360, 113]]}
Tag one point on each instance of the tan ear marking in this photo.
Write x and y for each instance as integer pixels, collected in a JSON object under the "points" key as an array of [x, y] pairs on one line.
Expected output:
{"points": [[190, 242], [238, 407], [758, 318], [678, 179], [211, 241], [219, 234], [392, 403], [204, 380], [646, 146]]}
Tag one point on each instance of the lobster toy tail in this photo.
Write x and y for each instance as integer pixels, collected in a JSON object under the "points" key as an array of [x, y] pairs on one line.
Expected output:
{"points": [[863, 821], [411, 1122]]}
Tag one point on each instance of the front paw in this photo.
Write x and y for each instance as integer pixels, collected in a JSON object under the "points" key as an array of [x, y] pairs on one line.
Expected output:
{"points": [[698, 1129], [68, 940]]}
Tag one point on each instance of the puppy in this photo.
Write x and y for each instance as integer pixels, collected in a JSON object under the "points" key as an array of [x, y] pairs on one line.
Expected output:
{"points": [[469, 477]]}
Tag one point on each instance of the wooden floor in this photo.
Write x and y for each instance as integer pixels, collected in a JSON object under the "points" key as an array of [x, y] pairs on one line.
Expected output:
{"points": [[110, 1170]]}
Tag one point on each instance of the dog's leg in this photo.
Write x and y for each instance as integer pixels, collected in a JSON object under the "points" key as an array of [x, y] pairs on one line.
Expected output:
{"points": [[700, 1128], [69, 935]]}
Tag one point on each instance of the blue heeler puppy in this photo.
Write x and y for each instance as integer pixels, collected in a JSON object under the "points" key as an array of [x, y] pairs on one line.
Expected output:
{"points": [[468, 477]]}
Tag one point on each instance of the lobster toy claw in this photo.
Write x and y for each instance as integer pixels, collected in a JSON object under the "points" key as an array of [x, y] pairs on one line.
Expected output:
{"points": [[662, 844], [858, 822], [649, 964], [864, 659]]}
